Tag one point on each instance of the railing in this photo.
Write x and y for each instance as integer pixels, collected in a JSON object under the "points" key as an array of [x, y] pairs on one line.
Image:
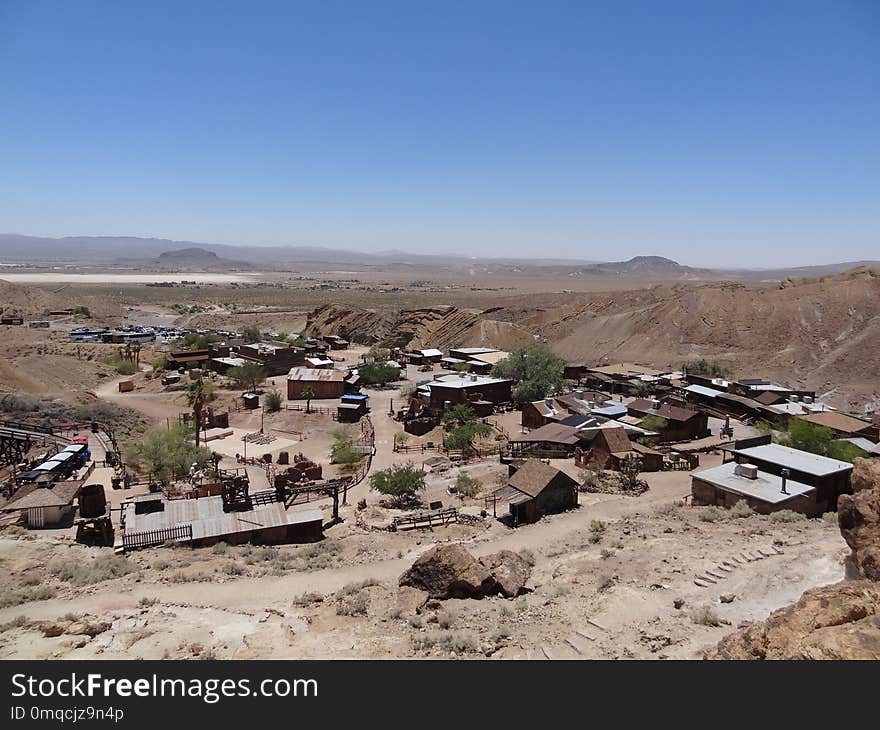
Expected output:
{"points": [[426, 519], [135, 540]]}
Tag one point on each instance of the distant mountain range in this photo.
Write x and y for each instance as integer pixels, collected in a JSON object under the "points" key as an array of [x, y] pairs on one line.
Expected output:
{"points": [[165, 254]]}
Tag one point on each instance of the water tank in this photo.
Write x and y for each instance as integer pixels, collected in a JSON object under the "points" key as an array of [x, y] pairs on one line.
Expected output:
{"points": [[92, 502]]}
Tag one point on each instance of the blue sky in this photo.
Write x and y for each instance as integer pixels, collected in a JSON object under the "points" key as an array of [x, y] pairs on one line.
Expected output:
{"points": [[715, 133]]}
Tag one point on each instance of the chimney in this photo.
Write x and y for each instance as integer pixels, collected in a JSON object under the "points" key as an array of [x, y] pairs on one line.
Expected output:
{"points": [[580, 395], [784, 474], [655, 404], [474, 378]]}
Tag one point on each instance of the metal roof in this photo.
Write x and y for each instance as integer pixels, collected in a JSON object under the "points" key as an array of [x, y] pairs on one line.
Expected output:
{"points": [[468, 381], [316, 374], [796, 459], [208, 519], [837, 421], [767, 487], [703, 390]]}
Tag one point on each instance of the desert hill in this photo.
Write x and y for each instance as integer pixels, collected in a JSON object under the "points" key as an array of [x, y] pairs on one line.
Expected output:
{"points": [[821, 333], [197, 259], [440, 326]]}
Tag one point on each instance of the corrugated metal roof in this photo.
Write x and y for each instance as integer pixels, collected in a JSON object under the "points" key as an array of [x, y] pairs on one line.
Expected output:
{"points": [[208, 519], [316, 374], [796, 459]]}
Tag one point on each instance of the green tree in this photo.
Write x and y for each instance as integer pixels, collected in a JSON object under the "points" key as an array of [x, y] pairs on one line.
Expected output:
{"points": [[167, 453], [402, 482], [196, 341], [378, 354], [462, 428], [198, 394], [308, 392], [817, 439], [468, 486], [343, 451], [654, 423], [537, 370], [378, 373], [272, 401], [251, 333], [248, 376]]}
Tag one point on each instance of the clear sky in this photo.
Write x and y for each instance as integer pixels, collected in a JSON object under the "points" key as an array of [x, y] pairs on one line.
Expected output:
{"points": [[713, 132]]}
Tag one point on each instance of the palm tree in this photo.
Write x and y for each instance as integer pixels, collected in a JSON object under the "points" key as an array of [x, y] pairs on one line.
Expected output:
{"points": [[308, 392], [197, 395]]}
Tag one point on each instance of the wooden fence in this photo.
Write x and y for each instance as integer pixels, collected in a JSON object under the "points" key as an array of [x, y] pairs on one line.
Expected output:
{"points": [[135, 540], [437, 518]]}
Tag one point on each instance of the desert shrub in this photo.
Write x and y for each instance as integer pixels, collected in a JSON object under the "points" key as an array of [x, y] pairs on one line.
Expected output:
{"points": [[146, 602], [711, 514], [180, 576], [460, 643], [17, 596], [604, 582], [416, 622], [89, 572], [787, 515], [528, 556], [272, 401], [597, 529], [468, 486], [705, 616], [233, 568], [741, 509], [307, 599], [445, 619], [221, 548], [830, 518], [501, 633], [354, 605], [606, 553], [351, 588]]}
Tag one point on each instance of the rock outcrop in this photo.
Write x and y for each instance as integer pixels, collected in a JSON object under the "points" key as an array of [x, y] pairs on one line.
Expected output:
{"points": [[511, 572], [840, 621], [859, 517], [450, 571]]}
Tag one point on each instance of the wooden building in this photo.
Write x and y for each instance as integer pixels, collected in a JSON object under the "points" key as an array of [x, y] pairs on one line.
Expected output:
{"points": [[465, 388], [45, 506], [612, 445], [844, 426], [323, 383], [830, 477], [763, 491], [536, 489], [682, 424]]}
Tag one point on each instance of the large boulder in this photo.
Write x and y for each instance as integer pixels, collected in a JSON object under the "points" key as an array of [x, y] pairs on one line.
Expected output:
{"points": [[449, 571], [859, 517], [840, 621], [511, 572]]}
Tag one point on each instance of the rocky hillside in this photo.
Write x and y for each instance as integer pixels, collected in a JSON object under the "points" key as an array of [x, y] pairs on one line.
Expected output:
{"points": [[840, 621], [441, 326], [822, 333]]}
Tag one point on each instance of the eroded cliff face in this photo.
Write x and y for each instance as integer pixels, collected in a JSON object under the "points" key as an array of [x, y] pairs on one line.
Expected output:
{"points": [[440, 326], [839, 621]]}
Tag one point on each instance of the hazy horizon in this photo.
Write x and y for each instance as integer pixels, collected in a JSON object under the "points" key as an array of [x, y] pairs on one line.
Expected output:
{"points": [[718, 136]]}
